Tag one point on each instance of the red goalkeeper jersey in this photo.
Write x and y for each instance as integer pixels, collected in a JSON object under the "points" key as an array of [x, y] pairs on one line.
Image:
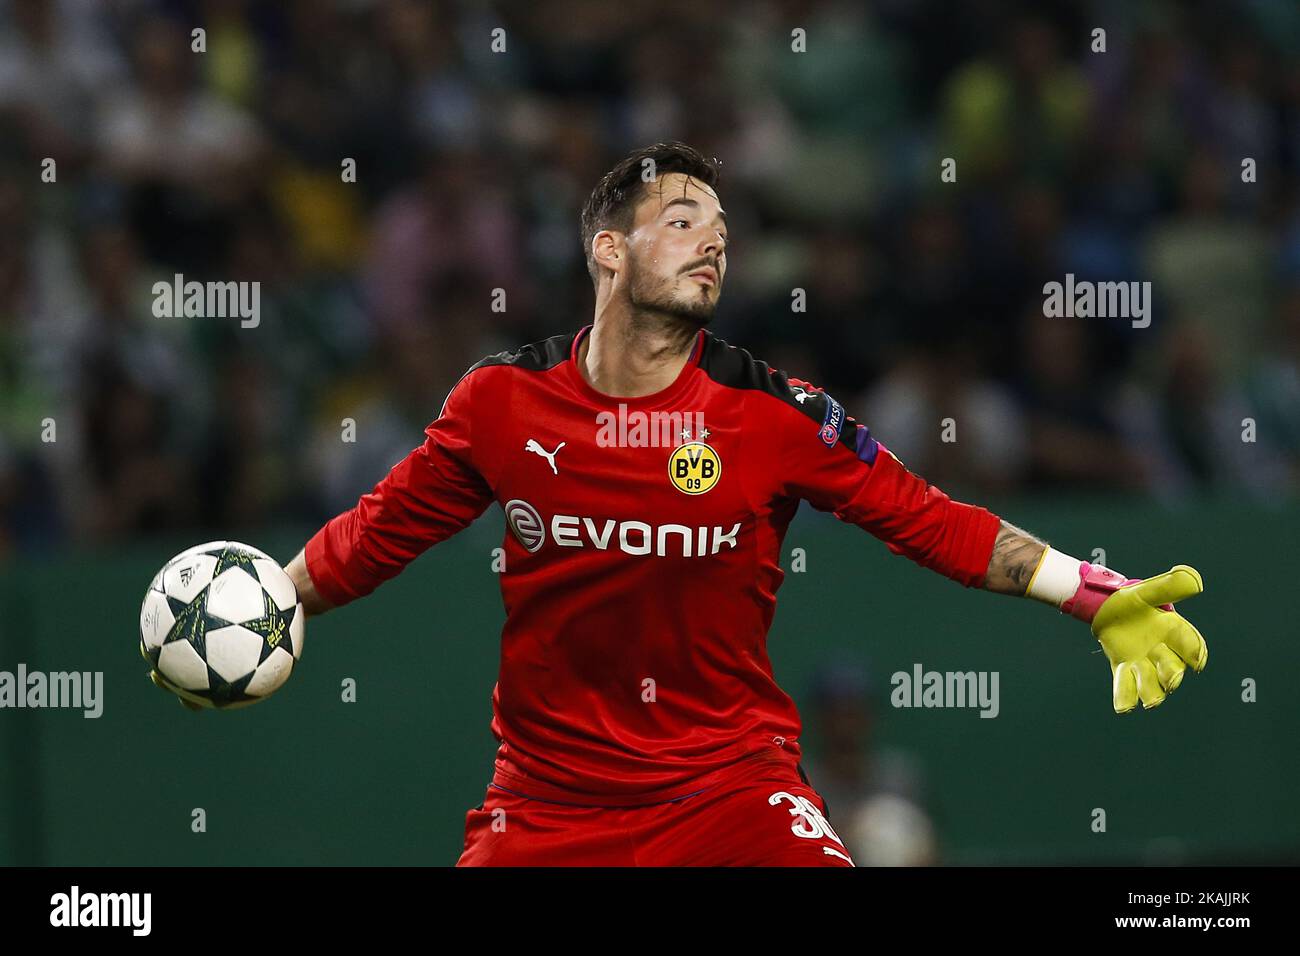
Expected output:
{"points": [[642, 555]]}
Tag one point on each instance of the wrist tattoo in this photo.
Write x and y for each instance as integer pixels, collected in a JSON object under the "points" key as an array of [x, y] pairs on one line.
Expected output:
{"points": [[1016, 554]]}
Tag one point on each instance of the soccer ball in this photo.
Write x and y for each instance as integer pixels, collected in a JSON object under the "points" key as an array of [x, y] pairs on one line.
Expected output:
{"points": [[223, 624]]}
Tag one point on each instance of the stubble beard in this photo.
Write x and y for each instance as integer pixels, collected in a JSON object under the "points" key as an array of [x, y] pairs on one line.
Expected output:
{"points": [[651, 294]]}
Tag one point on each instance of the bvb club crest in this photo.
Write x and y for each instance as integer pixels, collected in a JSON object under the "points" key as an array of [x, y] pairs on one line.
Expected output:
{"points": [[694, 467]]}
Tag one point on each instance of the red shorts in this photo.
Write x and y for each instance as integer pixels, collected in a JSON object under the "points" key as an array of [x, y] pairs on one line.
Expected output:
{"points": [[765, 815]]}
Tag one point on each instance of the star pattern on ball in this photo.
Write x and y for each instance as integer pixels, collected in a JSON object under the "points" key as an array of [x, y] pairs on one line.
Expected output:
{"points": [[228, 558], [191, 622], [216, 611], [221, 691], [272, 626]]}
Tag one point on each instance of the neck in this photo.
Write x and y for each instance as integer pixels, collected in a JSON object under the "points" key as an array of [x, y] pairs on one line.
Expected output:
{"points": [[631, 354]]}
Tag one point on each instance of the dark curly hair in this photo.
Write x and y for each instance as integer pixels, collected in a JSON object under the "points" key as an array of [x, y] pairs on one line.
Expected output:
{"points": [[612, 204]]}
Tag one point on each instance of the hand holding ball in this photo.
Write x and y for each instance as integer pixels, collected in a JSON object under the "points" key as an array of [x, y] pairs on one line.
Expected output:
{"points": [[221, 626]]}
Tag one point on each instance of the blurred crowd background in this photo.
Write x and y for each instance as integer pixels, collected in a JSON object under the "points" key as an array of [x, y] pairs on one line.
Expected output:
{"points": [[924, 298]]}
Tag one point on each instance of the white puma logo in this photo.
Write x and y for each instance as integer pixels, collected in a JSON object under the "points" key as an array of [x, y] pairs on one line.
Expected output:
{"points": [[549, 456], [800, 395]]}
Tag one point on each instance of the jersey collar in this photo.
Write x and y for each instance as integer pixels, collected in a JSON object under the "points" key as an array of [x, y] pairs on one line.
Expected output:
{"points": [[659, 398]]}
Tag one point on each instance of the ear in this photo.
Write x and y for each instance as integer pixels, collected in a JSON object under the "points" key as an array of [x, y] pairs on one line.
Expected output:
{"points": [[608, 248]]}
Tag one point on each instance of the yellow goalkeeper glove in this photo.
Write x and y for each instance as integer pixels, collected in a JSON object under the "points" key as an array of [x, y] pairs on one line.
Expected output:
{"points": [[1147, 642]]}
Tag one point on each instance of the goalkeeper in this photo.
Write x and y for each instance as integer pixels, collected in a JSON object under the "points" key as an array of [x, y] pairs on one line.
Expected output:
{"points": [[638, 717]]}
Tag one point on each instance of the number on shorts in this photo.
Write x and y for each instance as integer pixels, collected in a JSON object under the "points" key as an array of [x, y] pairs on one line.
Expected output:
{"points": [[811, 825]]}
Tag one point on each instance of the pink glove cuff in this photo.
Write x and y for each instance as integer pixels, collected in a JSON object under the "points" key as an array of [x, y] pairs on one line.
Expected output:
{"points": [[1096, 583]]}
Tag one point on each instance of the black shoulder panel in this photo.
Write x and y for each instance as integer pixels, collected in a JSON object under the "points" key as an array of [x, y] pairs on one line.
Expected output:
{"points": [[534, 357], [735, 367]]}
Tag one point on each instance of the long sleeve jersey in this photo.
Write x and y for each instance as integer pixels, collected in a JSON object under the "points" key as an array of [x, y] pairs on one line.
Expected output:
{"points": [[641, 554]]}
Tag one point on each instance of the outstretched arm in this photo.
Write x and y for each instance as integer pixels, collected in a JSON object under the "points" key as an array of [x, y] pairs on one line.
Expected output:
{"points": [[428, 496], [1149, 645]]}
